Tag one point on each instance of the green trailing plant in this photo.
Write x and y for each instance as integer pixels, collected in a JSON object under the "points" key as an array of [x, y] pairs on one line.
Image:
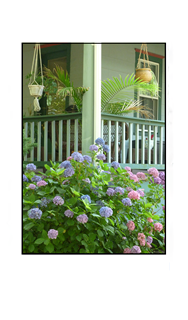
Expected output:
{"points": [[117, 95], [28, 145]]}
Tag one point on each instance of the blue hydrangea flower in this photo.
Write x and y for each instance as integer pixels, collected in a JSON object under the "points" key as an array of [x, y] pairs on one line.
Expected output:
{"points": [[100, 203], [65, 164], [126, 202], [45, 202], [105, 212], [93, 147], [68, 172], [101, 156], [77, 156], [157, 180], [31, 167], [35, 213], [94, 190], [106, 148], [120, 190], [85, 196], [87, 158], [115, 165], [69, 213], [99, 141], [52, 234], [110, 192], [58, 201], [25, 179], [86, 180], [36, 178]]}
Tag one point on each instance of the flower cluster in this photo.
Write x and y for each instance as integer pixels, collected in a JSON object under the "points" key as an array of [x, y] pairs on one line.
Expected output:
{"points": [[126, 202], [41, 183], [32, 186], [69, 213], [110, 191], [30, 167], [52, 234], [82, 218], [87, 159], [115, 165], [134, 195], [45, 202], [35, 213], [133, 177], [100, 141], [158, 226], [130, 225], [106, 148], [135, 249], [65, 164], [154, 172], [141, 175], [25, 179], [141, 238], [85, 196], [58, 201], [119, 190], [127, 168], [68, 172], [93, 147], [105, 212], [36, 179], [77, 157], [86, 180], [101, 156], [141, 192], [100, 203]]}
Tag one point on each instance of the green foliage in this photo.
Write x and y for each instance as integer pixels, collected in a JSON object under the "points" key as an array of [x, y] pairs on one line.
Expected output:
{"points": [[28, 145], [99, 234]]}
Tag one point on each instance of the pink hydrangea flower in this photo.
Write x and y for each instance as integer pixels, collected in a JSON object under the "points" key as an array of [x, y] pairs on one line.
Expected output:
{"points": [[158, 226], [130, 225], [32, 186], [150, 219], [141, 236], [134, 177], [127, 168], [154, 172], [141, 192], [127, 250], [70, 158], [142, 242], [141, 175], [134, 195], [41, 183], [148, 245], [163, 207]]}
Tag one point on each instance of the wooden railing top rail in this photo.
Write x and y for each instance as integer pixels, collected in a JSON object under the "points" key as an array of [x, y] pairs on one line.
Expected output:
{"points": [[114, 117], [56, 117]]}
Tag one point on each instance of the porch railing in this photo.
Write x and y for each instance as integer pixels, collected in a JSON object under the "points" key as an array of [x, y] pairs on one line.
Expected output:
{"points": [[59, 135], [56, 135], [127, 138]]}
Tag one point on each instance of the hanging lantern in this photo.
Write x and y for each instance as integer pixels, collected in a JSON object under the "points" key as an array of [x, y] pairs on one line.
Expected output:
{"points": [[143, 74], [35, 89]]}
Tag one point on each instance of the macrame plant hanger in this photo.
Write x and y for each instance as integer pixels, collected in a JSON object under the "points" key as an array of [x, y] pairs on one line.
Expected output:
{"points": [[145, 72], [36, 90]]}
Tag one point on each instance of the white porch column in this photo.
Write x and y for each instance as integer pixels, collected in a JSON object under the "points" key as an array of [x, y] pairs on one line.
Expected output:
{"points": [[97, 90]]}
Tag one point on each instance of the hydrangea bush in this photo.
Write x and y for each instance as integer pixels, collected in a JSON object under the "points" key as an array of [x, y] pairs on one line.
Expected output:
{"points": [[84, 205]]}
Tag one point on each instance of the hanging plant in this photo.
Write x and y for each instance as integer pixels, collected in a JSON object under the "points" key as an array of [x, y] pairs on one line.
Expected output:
{"points": [[36, 89], [143, 74]]}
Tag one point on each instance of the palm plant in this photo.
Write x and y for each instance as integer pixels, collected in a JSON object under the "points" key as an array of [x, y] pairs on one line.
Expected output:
{"points": [[64, 86], [117, 95]]}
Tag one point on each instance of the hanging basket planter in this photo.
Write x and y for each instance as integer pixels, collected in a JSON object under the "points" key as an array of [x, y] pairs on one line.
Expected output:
{"points": [[143, 74], [35, 89]]}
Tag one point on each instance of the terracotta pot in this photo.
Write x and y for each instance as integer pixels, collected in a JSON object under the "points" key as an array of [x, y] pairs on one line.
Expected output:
{"points": [[143, 74]]}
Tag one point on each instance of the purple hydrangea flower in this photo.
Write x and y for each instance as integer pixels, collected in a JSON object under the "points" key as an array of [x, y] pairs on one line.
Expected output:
{"points": [[32, 186], [41, 183], [45, 202], [93, 147], [162, 181], [141, 192], [106, 148], [87, 158], [36, 179], [35, 213], [126, 202], [86, 180], [58, 201], [120, 190], [99, 141], [31, 167], [65, 164], [135, 249], [52, 234], [94, 190], [100, 203], [68, 172], [149, 239], [128, 189], [25, 179], [101, 156], [115, 165], [105, 212], [82, 218], [162, 175], [77, 157], [85, 196], [69, 213], [110, 192], [157, 180]]}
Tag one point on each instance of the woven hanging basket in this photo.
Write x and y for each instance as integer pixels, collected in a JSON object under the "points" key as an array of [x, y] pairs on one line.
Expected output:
{"points": [[143, 74]]}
